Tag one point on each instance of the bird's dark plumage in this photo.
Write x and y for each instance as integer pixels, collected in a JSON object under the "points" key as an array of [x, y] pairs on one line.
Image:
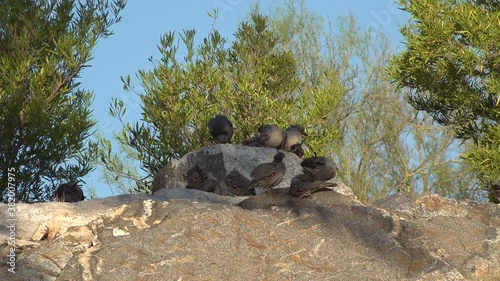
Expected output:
{"points": [[297, 150], [292, 137], [69, 192], [268, 175], [238, 184], [496, 190], [304, 185], [298, 128], [200, 179], [319, 168], [269, 136], [221, 129]]}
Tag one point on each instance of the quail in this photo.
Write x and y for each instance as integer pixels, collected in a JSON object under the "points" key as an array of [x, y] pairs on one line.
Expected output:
{"points": [[69, 192], [268, 175], [201, 180], [297, 150], [269, 136], [238, 184], [496, 190], [221, 129], [319, 168], [292, 136], [304, 185]]}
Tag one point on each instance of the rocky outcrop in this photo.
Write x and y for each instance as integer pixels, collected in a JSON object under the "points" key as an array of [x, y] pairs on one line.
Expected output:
{"points": [[218, 161], [209, 167], [327, 236], [58, 217]]}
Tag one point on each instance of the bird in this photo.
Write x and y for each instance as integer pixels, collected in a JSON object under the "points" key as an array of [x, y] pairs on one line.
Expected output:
{"points": [[200, 179], [319, 168], [69, 192], [297, 150], [238, 184], [304, 185], [270, 135], [221, 129], [268, 175], [496, 190], [292, 136]]}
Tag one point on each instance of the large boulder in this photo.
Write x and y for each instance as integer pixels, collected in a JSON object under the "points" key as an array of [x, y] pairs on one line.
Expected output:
{"points": [[219, 160], [327, 236]]}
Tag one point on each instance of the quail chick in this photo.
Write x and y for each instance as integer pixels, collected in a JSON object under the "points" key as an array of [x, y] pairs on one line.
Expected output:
{"points": [[292, 136], [69, 192], [221, 129], [496, 190], [269, 136], [238, 184], [200, 179], [319, 168], [268, 175], [297, 150], [304, 185]]}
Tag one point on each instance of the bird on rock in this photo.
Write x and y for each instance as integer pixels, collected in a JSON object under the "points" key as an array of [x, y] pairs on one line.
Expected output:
{"points": [[238, 184], [69, 192], [268, 175], [292, 136], [269, 136], [319, 168], [496, 190], [304, 185], [297, 150], [199, 179], [221, 129]]}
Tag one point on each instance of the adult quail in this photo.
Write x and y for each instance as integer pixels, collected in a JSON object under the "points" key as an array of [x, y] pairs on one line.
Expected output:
{"points": [[292, 136], [69, 192], [238, 184], [200, 179], [268, 175], [496, 190], [304, 185], [221, 129], [319, 168], [269, 136]]}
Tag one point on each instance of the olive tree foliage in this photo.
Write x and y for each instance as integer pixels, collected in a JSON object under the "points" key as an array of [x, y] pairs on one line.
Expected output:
{"points": [[252, 81], [382, 145], [450, 68], [45, 116]]}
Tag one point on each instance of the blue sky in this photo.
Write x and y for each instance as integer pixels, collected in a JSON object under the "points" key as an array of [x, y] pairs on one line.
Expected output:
{"points": [[136, 38]]}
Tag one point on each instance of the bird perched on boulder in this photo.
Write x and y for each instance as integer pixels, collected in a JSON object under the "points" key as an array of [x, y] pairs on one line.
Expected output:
{"points": [[69, 192], [221, 129], [297, 150], [292, 136], [238, 184], [304, 185], [268, 175], [199, 179], [269, 136], [496, 190], [319, 168]]}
